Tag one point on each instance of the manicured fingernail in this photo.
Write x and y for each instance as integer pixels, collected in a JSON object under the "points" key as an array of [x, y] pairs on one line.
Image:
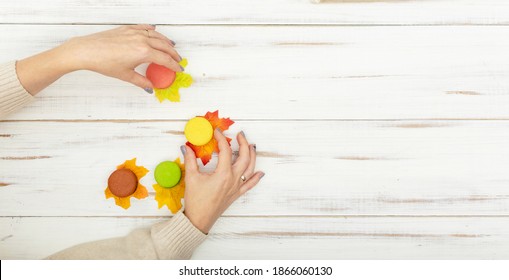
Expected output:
{"points": [[183, 149], [149, 90], [261, 175], [219, 130], [173, 42], [180, 58], [243, 134], [181, 68], [153, 25], [254, 147]]}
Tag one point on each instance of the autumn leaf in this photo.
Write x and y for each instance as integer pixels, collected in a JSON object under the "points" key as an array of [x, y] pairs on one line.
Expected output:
{"points": [[182, 80], [216, 122], [205, 152], [140, 192], [172, 197]]}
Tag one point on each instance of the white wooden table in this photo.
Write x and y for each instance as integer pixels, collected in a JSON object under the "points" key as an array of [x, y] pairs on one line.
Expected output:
{"points": [[383, 127]]}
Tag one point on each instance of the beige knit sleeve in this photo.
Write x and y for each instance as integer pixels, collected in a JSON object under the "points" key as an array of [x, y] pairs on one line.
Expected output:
{"points": [[176, 238], [12, 94]]}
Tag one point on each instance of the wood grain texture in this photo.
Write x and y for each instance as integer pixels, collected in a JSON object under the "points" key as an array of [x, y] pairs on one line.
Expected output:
{"points": [[287, 72], [382, 127], [283, 237], [313, 167], [438, 12]]}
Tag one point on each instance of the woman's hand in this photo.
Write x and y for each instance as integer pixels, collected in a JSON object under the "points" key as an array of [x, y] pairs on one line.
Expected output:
{"points": [[117, 52], [113, 53], [209, 195]]}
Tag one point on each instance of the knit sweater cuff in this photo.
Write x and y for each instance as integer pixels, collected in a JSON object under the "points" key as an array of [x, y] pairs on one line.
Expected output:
{"points": [[12, 95], [176, 238]]}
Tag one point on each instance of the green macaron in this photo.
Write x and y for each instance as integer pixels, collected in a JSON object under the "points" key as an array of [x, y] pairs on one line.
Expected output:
{"points": [[167, 174]]}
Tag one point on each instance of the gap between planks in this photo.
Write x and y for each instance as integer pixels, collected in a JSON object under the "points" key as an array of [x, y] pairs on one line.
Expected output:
{"points": [[280, 216], [252, 120], [275, 24]]}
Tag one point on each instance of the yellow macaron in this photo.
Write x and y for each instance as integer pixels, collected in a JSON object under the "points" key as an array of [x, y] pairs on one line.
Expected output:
{"points": [[198, 131]]}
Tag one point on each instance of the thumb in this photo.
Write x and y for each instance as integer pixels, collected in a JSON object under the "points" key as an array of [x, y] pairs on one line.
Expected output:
{"points": [[189, 159], [141, 81]]}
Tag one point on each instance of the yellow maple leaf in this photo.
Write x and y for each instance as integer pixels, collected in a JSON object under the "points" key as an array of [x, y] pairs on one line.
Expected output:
{"points": [[172, 197], [182, 80]]}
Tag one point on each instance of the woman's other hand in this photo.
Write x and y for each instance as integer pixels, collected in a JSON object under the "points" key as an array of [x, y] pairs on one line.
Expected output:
{"points": [[114, 53], [208, 195], [117, 52]]}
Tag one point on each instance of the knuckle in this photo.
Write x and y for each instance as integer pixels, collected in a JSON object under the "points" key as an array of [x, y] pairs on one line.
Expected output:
{"points": [[170, 60], [226, 148], [144, 50], [227, 174], [244, 162], [189, 171], [169, 48], [131, 75], [140, 37], [125, 76], [226, 177], [167, 61], [131, 31]]}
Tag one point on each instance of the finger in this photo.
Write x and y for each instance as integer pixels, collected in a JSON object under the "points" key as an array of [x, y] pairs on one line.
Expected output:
{"points": [[244, 156], [137, 79], [252, 162], [161, 45], [155, 34], [142, 27], [165, 60], [189, 159], [249, 184], [225, 151]]}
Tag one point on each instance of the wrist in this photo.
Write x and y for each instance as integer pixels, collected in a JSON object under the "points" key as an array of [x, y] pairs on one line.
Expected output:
{"points": [[200, 223], [66, 58], [39, 71]]}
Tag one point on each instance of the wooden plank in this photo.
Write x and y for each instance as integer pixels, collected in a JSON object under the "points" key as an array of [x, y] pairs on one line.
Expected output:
{"points": [[283, 237], [295, 73], [257, 12], [313, 167]]}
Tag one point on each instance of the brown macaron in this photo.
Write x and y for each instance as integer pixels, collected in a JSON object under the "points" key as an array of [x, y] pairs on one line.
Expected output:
{"points": [[122, 182]]}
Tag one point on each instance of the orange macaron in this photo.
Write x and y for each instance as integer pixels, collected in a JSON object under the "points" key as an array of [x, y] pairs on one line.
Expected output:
{"points": [[160, 76]]}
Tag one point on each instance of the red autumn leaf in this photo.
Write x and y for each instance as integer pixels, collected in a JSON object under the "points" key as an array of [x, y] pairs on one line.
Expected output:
{"points": [[205, 152], [216, 122]]}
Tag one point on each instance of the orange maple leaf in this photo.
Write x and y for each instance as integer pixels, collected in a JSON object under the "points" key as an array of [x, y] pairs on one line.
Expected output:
{"points": [[205, 152], [141, 191]]}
